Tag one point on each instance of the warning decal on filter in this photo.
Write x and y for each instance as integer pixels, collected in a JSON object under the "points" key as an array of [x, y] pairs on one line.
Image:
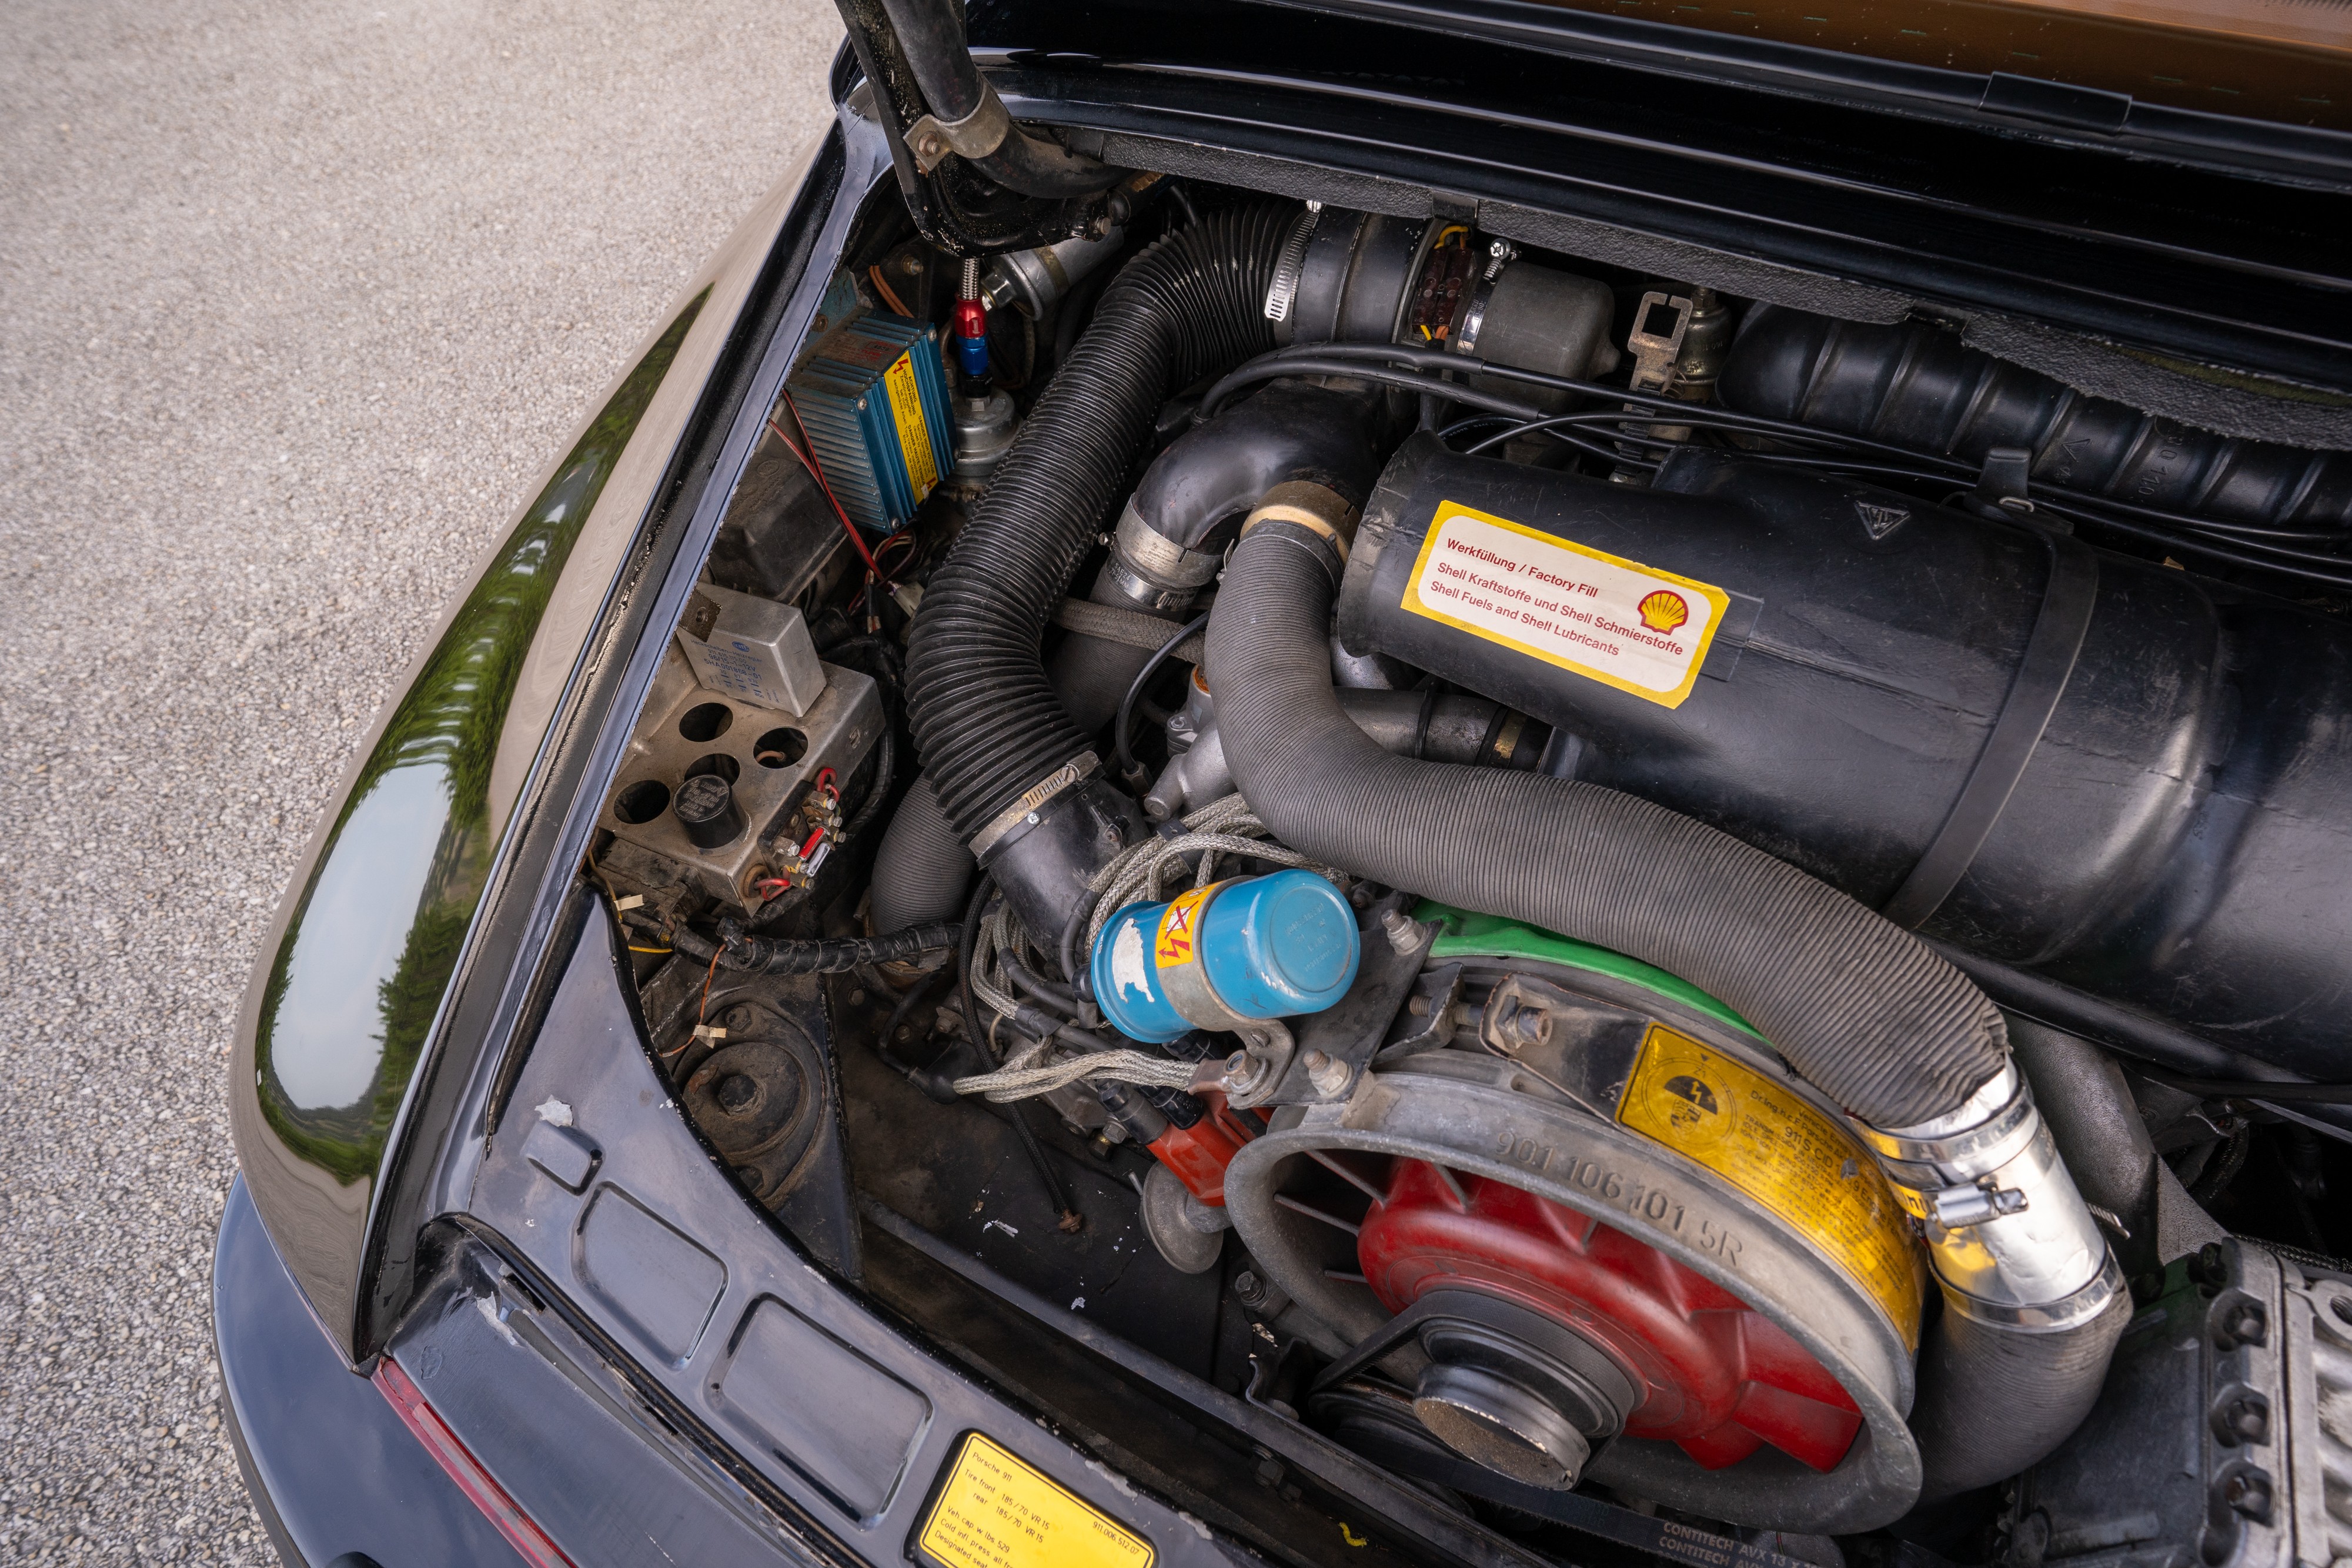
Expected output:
{"points": [[1631, 626]]}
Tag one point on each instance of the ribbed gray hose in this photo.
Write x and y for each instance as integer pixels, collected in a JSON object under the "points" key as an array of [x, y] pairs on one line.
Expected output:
{"points": [[922, 873], [1862, 1009], [1993, 1401]]}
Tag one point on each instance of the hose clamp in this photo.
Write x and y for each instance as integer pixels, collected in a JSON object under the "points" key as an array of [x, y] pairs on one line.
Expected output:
{"points": [[2005, 1226], [1032, 801], [1318, 508], [930, 139], [1290, 265], [1151, 555], [1968, 1145], [2051, 1317]]}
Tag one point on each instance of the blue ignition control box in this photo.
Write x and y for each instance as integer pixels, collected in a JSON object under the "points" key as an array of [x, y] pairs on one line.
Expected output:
{"points": [[875, 400]]}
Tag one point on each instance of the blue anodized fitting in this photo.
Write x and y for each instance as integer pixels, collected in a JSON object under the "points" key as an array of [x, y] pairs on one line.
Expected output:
{"points": [[1218, 956]]}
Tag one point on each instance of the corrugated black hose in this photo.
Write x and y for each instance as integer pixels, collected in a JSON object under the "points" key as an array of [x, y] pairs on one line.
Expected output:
{"points": [[987, 724]]}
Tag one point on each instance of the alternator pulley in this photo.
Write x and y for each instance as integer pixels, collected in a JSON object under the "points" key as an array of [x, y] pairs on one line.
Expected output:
{"points": [[1677, 1274]]}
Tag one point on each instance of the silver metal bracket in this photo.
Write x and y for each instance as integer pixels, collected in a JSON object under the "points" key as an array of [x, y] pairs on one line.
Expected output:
{"points": [[1655, 353], [930, 139], [1958, 1208], [1251, 1075]]}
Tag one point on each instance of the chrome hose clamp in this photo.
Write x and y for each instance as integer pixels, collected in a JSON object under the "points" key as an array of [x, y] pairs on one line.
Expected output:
{"points": [[1290, 265], [2011, 1241], [1032, 801]]}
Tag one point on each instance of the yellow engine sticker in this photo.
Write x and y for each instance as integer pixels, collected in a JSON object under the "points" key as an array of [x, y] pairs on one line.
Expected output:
{"points": [[995, 1512], [1618, 621], [914, 433], [1779, 1150], [1178, 940]]}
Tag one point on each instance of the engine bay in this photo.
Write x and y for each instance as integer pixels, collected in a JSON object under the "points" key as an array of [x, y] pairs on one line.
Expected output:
{"points": [[1704, 931]]}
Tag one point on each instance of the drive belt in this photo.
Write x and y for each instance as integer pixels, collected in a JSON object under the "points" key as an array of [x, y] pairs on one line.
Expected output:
{"points": [[2052, 648]]}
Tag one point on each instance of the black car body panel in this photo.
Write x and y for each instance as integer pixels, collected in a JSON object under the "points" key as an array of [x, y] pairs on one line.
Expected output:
{"points": [[358, 994], [305, 1424]]}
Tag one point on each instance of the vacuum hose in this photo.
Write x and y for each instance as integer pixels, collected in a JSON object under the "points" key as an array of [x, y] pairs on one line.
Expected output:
{"points": [[1003, 757], [1858, 1006]]}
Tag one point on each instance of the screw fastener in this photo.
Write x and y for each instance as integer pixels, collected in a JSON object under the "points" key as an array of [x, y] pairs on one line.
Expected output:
{"points": [[1327, 1074], [1403, 931]]}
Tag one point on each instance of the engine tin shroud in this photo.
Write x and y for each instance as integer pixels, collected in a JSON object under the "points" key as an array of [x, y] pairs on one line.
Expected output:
{"points": [[2170, 843], [1539, 1124]]}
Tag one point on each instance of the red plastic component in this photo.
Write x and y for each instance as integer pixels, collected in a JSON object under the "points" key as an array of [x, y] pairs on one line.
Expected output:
{"points": [[1199, 1154], [476, 1482], [1720, 1377], [970, 318]]}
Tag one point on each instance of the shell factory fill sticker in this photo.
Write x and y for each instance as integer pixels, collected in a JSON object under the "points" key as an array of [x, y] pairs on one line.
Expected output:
{"points": [[1777, 1149], [995, 1512], [1623, 623]]}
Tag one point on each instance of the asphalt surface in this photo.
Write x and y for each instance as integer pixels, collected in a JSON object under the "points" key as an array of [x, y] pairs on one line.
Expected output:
{"points": [[295, 303]]}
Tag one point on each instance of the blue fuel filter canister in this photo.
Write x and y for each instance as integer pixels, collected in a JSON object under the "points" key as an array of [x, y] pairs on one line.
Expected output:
{"points": [[1212, 957]]}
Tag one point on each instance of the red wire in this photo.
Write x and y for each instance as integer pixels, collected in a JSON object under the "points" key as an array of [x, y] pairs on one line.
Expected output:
{"points": [[808, 461]]}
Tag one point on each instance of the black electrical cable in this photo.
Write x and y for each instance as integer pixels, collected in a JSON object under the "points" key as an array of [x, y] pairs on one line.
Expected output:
{"points": [[1361, 359], [2250, 1087], [886, 761], [740, 954], [967, 941], [1079, 972], [1128, 768], [1290, 362], [1277, 363], [1037, 985]]}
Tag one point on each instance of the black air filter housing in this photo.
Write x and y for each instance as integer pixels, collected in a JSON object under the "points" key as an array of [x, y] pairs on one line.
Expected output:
{"points": [[1816, 667]]}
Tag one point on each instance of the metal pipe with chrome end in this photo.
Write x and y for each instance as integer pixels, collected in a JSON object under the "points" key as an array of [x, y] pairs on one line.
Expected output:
{"points": [[2033, 1299]]}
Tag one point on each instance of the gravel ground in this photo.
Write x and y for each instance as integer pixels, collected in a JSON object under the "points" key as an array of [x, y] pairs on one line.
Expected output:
{"points": [[294, 303]]}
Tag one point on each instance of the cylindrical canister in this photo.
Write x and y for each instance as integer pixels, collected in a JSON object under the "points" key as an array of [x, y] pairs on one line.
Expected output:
{"points": [[1215, 957]]}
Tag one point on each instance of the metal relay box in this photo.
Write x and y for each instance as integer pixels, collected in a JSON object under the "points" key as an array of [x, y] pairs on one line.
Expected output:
{"points": [[874, 399], [765, 757], [750, 648]]}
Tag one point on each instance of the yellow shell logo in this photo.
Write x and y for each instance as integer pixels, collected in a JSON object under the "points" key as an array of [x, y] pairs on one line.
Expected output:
{"points": [[1663, 610]]}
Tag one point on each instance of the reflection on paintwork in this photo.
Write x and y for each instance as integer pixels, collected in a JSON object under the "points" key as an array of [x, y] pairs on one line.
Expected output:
{"points": [[370, 949]]}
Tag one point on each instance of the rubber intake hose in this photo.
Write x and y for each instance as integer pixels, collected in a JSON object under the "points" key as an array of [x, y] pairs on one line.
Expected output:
{"points": [[1919, 385], [922, 873], [1992, 1400], [987, 724], [1171, 537], [1861, 1007]]}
